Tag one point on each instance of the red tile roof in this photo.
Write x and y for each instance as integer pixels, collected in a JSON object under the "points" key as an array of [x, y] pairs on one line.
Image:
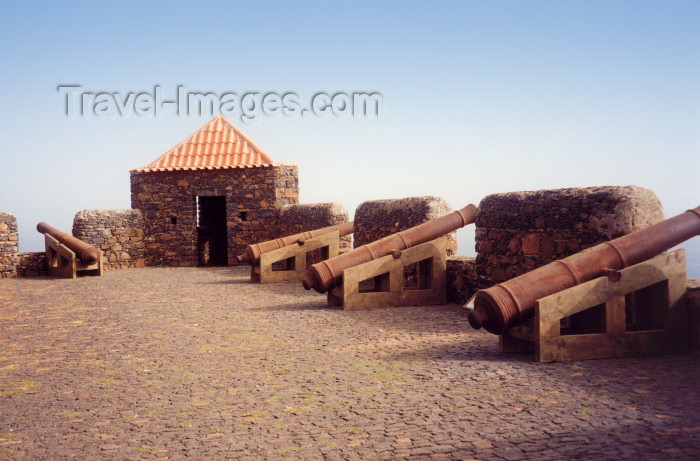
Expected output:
{"points": [[217, 145]]}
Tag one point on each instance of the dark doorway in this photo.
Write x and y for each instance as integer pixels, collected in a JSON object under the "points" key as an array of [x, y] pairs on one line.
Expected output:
{"points": [[212, 241]]}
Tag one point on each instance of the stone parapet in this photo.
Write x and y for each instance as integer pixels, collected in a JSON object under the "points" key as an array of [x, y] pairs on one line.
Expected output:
{"points": [[310, 216], [379, 218], [117, 233], [520, 231], [9, 245]]}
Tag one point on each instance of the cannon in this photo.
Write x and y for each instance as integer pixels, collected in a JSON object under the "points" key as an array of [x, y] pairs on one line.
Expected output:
{"points": [[253, 252], [86, 253], [328, 274], [503, 306]]}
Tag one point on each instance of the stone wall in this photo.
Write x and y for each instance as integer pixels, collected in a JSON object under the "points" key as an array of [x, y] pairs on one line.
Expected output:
{"points": [[9, 245], [32, 264], [117, 233], [693, 304], [301, 218], [378, 218], [520, 231], [461, 280], [168, 202]]}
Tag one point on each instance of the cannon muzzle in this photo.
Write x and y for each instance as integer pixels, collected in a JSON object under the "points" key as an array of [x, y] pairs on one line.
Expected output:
{"points": [[327, 274], [253, 252], [86, 253], [512, 302]]}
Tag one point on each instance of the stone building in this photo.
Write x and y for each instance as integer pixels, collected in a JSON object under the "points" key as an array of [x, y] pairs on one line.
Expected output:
{"points": [[206, 198]]}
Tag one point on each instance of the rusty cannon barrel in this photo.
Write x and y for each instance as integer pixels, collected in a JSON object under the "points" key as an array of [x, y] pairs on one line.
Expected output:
{"points": [[253, 252], [86, 253], [327, 274], [507, 304]]}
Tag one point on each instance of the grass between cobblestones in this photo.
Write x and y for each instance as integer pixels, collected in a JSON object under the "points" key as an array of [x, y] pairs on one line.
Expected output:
{"points": [[165, 363]]}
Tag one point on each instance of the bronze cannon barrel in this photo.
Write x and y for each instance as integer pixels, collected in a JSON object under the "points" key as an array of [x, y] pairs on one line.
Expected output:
{"points": [[253, 252], [86, 253], [507, 304], [327, 274]]}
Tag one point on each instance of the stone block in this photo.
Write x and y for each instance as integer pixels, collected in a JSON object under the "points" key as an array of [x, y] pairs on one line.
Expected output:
{"points": [[693, 305], [9, 239], [118, 233], [461, 279], [305, 217], [31, 264], [378, 218], [553, 224]]}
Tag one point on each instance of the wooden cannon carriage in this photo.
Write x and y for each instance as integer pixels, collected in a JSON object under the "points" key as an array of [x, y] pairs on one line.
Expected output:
{"points": [[402, 269], [285, 259], [68, 257], [616, 299]]}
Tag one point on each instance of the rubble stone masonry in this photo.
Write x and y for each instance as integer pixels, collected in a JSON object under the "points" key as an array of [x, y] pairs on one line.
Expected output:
{"points": [[378, 218], [693, 303], [9, 245], [117, 233], [307, 217], [520, 231], [461, 279], [168, 202], [32, 264]]}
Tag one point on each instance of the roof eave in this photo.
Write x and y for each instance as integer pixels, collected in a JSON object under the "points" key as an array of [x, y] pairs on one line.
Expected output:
{"points": [[196, 168]]}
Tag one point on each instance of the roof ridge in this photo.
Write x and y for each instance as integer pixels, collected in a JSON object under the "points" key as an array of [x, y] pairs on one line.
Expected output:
{"points": [[243, 135]]}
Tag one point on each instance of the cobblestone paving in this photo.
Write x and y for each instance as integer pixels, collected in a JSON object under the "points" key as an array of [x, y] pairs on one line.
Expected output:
{"points": [[164, 363]]}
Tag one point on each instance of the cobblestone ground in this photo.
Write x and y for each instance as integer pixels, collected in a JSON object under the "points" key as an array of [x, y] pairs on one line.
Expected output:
{"points": [[165, 363]]}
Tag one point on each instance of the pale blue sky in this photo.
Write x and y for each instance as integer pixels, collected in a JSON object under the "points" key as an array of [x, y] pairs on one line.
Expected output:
{"points": [[479, 97]]}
